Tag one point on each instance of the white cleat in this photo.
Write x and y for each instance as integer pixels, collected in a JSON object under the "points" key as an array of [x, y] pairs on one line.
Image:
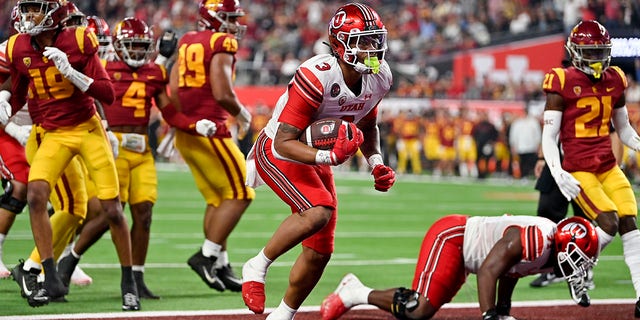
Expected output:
{"points": [[342, 299], [79, 278]]}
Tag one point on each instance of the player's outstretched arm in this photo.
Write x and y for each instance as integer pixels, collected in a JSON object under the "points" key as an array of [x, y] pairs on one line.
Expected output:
{"points": [[505, 254]]}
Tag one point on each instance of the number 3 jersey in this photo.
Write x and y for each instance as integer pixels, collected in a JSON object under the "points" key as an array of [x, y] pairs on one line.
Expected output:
{"points": [[588, 108], [318, 85]]}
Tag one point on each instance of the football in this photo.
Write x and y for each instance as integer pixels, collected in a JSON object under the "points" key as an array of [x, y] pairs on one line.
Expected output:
{"points": [[322, 134]]}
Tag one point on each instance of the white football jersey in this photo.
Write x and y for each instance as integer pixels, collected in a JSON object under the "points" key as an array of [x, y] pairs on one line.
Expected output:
{"points": [[482, 233], [322, 84]]}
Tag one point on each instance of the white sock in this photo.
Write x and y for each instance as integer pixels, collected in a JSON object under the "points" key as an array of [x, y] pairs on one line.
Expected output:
{"points": [[137, 268], [255, 269], [2, 237], [223, 259], [66, 251], [282, 312], [603, 238], [211, 249], [30, 264], [77, 256], [359, 295], [631, 249]]}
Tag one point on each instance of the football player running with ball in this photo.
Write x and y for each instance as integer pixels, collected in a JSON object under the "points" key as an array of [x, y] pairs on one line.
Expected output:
{"points": [[499, 250], [347, 84], [581, 102]]}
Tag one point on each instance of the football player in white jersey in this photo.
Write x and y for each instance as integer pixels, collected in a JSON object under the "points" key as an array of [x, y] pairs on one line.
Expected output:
{"points": [[499, 250], [347, 84]]}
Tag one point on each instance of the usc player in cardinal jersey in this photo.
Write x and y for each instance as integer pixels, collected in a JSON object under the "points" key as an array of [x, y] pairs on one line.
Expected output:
{"points": [[581, 102], [61, 70], [202, 84]]}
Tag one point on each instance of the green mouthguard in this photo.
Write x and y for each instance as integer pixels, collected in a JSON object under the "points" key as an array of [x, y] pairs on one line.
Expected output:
{"points": [[373, 63]]}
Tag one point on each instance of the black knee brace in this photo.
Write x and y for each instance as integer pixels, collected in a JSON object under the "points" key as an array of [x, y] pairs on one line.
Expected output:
{"points": [[404, 300], [8, 202]]}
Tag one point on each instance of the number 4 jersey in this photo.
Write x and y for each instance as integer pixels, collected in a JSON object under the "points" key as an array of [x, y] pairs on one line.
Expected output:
{"points": [[586, 117]]}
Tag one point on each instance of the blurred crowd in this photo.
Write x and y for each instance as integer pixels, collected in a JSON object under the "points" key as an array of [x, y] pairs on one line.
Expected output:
{"points": [[282, 33]]}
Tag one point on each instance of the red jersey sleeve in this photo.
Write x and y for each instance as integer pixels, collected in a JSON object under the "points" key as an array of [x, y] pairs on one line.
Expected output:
{"points": [[297, 112], [532, 243]]}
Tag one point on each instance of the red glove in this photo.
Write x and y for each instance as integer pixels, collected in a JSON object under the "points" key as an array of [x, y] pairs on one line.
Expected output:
{"points": [[384, 177], [345, 147]]}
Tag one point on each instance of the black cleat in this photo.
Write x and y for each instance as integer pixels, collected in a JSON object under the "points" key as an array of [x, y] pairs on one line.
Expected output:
{"points": [[26, 280], [130, 302], [143, 291], [54, 287], [66, 265], [637, 312], [229, 279], [545, 279], [204, 267], [39, 297]]}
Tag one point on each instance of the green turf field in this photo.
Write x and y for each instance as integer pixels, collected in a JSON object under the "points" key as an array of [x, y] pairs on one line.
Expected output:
{"points": [[378, 237]]}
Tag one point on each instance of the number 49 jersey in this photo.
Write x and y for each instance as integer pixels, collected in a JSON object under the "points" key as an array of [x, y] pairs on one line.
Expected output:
{"points": [[196, 49], [588, 108], [319, 83]]}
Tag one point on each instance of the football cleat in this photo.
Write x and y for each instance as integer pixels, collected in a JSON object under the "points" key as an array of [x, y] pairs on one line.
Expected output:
{"points": [[130, 302], [545, 279], [66, 267], [205, 268], [80, 278], [253, 296], [253, 288], [26, 280], [143, 291], [339, 302], [637, 311], [229, 278]]}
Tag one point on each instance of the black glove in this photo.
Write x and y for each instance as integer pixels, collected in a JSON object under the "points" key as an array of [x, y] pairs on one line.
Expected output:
{"points": [[490, 314], [167, 44]]}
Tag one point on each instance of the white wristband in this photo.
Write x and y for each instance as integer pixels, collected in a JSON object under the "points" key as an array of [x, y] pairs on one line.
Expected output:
{"points": [[244, 114], [161, 60], [325, 157], [80, 80], [375, 159]]}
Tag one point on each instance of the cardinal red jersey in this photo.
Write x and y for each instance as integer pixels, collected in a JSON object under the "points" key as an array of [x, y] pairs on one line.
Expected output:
{"points": [[318, 85], [195, 52], [61, 102], [134, 88], [588, 106], [4, 65]]}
